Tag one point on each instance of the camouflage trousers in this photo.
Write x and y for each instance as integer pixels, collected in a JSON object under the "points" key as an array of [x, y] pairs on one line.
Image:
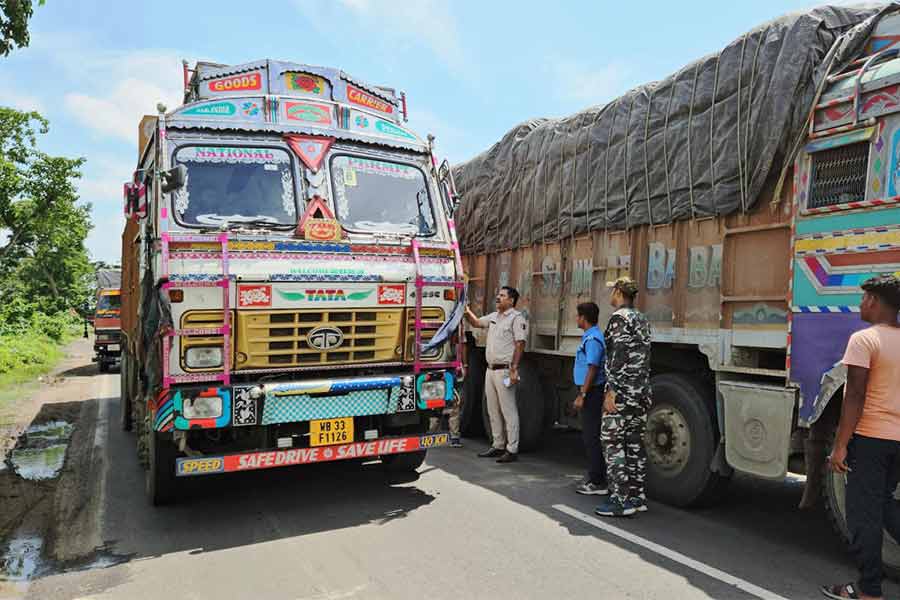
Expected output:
{"points": [[623, 448]]}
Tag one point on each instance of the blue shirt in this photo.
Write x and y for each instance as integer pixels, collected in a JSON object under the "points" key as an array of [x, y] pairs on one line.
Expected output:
{"points": [[590, 352]]}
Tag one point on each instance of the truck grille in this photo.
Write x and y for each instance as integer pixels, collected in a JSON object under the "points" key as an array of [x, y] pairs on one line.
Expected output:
{"points": [[279, 338], [839, 175], [433, 316]]}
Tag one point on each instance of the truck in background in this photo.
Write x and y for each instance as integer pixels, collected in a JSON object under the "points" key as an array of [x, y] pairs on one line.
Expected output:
{"points": [[291, 276], [107, 319], [750, 308]]}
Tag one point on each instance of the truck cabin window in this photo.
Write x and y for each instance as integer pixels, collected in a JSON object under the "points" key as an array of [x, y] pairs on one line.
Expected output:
{"points": [[109, 302], [235, 186], [381, 196]]}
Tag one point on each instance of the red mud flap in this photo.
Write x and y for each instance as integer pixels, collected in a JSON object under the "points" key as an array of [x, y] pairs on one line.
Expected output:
{"points": [[267, 459]]}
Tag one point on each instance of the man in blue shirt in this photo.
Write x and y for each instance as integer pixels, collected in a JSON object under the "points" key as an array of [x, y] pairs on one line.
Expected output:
{"points": [[590, 379]]}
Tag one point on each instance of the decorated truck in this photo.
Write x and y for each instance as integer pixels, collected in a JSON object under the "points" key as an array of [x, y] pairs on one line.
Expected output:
{"points": [[749, 195], [292, 282], [107, 319]]}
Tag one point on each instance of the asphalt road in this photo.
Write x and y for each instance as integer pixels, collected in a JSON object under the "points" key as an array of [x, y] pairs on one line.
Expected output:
{"points": [[463, 528]]}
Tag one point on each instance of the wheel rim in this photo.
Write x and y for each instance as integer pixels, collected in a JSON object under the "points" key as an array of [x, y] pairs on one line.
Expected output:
{"points": [[667, 439]]}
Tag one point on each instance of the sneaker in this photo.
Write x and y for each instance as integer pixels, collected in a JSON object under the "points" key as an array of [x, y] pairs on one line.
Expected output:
{"points": [[455, 443], [492, 453], [639, 504], [592, 489], [613, 508], [508, 457]]}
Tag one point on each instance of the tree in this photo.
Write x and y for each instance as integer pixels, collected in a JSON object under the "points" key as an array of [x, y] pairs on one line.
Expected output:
{"points": [[14, 17], [43, 259]]}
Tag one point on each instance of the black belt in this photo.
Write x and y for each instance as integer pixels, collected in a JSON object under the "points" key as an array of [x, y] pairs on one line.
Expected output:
{"points": [[497, 367]]}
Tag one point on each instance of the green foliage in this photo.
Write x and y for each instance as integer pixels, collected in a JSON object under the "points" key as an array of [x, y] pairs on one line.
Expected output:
{"points": [[30, 347], [43, 260], [14, 17]]}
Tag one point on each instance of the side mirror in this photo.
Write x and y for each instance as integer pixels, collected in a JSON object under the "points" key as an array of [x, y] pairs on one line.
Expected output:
{"points": [[444, 171], [174, 179]]}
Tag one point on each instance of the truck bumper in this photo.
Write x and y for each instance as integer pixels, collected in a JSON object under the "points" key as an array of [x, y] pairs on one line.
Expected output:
{"points": [[267, 459]]}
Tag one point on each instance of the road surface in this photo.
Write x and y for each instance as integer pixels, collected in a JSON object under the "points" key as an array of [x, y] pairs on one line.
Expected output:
{"points": [[463, 528]]}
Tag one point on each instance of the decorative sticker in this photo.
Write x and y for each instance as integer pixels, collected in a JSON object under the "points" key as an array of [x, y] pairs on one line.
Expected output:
{"points": [[237, 83], [379, 167], [391, 294], [387, 128], [361, 98], [311, 149], [322, 230], [894, 174], [224, 154], [350, 177], [254, 296], [246, 409], [309, 112], [212, 109], [306, 83], [250, 109]]}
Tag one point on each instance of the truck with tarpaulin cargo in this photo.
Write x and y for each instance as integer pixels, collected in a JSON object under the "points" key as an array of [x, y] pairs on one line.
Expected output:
{"points": [[292, 283], [749, 195], [107, 319]]}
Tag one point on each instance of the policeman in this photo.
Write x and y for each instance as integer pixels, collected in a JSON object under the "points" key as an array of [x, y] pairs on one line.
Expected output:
{"points": [[626, 402], [507, 332]]}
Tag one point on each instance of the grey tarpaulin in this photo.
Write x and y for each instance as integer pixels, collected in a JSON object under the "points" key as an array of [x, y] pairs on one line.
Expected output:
{"points": [[704, 141], [109, 278]]}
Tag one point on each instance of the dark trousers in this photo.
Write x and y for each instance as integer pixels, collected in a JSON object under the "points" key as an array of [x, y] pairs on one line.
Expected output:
{"points": [[591, 418], [871, 507]]}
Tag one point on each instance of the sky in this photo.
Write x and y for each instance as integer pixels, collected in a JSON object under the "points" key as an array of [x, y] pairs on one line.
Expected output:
{"points": [[471, 69]]}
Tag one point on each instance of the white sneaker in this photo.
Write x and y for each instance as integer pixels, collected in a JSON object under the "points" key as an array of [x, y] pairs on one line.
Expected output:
{"points": [[592, 489]]}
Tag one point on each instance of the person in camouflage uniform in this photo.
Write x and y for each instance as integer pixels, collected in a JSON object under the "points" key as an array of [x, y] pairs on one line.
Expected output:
{"points": [[626, 403]]}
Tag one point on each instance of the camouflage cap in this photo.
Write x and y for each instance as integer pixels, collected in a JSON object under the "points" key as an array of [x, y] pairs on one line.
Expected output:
{"points": [[626, 285]]}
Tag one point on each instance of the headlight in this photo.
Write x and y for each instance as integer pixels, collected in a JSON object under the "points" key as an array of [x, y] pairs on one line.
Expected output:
{"points": [[202, 407], [203, 357], [433, 390]]}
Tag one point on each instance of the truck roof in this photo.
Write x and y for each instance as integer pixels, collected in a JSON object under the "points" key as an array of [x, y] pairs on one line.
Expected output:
{"points": [[287, 97]]}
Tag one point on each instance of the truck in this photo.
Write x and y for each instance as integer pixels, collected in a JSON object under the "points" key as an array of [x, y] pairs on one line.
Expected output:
{"points": [[107, 319], [749, 195], [291, 277]]}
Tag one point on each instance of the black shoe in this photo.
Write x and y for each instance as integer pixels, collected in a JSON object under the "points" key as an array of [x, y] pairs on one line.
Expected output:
{"points": [[508, 457], [493, 452]]}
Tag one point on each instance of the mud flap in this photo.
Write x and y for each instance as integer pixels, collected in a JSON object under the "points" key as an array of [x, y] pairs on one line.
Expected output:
{"points": [[758, 423]]}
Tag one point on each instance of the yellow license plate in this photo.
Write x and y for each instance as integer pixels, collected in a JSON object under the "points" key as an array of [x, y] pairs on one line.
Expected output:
{"points": [[326, 432]]}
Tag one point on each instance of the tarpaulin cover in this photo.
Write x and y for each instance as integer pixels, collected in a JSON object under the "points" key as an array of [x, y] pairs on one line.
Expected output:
{"points": [[109, 278], [705, 141]]}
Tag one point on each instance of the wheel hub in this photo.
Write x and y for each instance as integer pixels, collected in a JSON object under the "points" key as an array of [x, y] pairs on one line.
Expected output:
{"points": [[667, 439]]}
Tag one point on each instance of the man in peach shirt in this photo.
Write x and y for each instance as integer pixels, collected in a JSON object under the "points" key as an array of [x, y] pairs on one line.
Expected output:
{"points": [[867, 443]]}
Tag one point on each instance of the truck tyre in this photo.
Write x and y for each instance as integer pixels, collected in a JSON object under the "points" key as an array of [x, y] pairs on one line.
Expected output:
{"points": [[125, 387], [836, 508], [161, 480], [470, 422], [403, 463], [681, 441], [531, 403]]}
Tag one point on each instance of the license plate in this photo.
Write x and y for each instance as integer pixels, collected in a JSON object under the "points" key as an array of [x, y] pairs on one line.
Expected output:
{"points": [[112, 348], [326, 432]]}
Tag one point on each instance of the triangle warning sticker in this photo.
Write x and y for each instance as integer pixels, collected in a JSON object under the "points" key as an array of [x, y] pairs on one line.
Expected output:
{"points": [[310, 148]]}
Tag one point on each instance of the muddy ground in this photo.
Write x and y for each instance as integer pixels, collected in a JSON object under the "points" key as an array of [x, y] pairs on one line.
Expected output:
{"points": [[46, 450]]}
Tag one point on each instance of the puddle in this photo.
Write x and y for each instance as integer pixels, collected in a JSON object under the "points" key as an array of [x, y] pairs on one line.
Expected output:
{"points": [[22, 558], [41, 451]]}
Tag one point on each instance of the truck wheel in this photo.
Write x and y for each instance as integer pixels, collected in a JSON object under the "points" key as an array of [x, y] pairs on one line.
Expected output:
{"points": [[681, 441], [470, 423], [125, 392], [161, 480], [833, 488], [531, 404], [403, 463]]}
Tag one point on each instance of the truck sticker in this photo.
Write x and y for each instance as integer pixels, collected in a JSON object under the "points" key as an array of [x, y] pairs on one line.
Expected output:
{"points": [[254, 296], [245, 407], [705, 266], [306, 83], [660, 267], [247, 81], [325, 295], [361, 98], [388, 128], [214, 109], [226, 154], [391, 294], [308, 112]]}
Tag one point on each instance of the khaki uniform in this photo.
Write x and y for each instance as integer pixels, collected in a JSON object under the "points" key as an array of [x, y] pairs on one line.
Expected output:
{"points": [[504, 330]]}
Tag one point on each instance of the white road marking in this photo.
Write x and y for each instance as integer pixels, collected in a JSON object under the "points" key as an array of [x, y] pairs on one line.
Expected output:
{"points": [[101, 428], [671, 554]]}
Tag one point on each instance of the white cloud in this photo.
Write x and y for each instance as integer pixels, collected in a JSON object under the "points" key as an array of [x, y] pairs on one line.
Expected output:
{"points": [[13, 99], [580, 83], [428, 23], [104, 242]]}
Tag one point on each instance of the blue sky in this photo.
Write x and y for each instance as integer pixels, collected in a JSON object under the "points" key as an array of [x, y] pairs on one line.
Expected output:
{"points": [[471, 69]]}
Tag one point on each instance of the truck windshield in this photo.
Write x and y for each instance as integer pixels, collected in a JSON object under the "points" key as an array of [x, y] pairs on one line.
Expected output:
{"points": [[235, 185], [381, 196], [109, 302]]}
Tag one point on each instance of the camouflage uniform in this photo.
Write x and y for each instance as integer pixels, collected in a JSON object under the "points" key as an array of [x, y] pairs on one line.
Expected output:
{"points": [[628, 375]]}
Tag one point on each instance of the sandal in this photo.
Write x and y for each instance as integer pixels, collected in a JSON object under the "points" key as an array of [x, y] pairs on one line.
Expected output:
{"points": [[840, 592]]}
